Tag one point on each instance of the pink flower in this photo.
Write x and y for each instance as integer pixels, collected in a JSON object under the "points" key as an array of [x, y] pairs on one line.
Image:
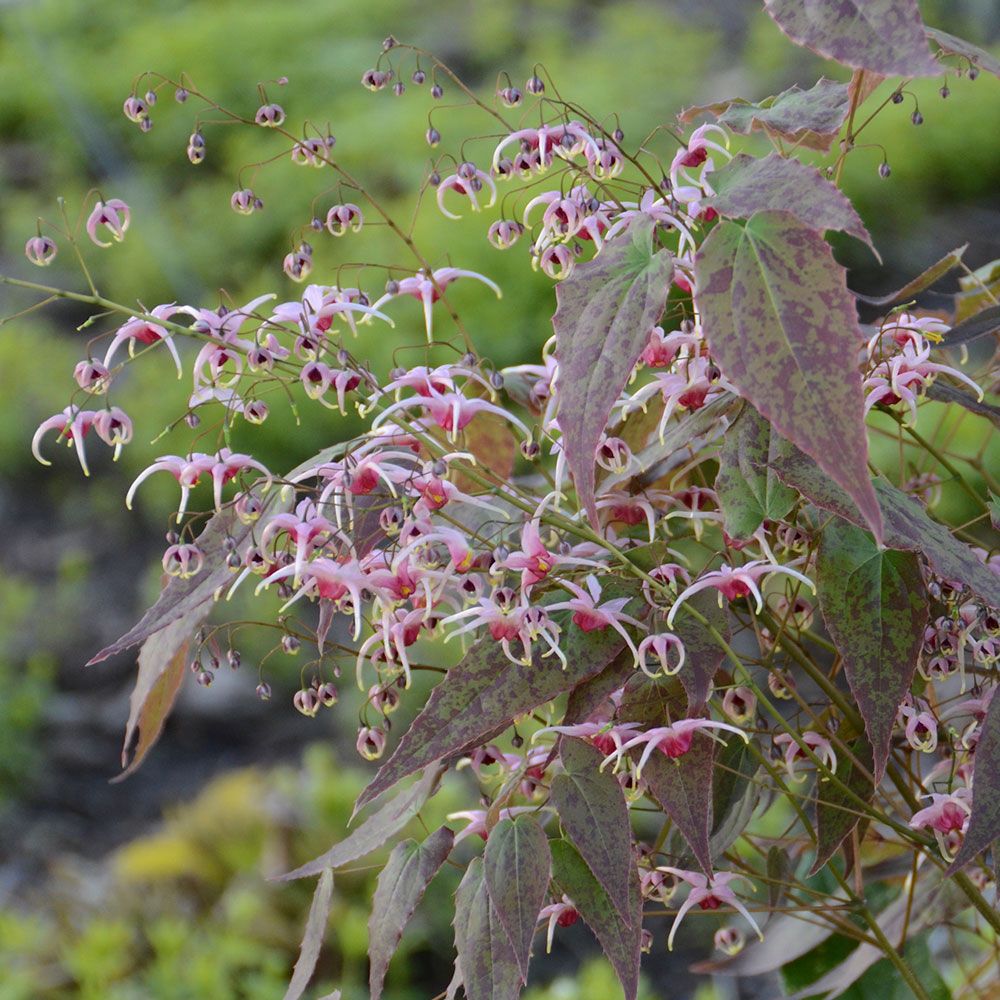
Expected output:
{"points": [[342, 218], [661, 646], [563, 914], [709, 894], [477, 820], [590, 616], [673, 740], [469, 184], [816, 742], [948, 816], [146, 332], [114, 216], [40, 250], [72, 425]]}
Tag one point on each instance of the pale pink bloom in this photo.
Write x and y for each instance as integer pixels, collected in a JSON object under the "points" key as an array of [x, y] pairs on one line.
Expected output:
{"points": [[729, 940], [919, 724], [114, 427], [183, 561], [319, 305], [673, 740], [590, 616], [540, 145], [709, 894], [661, 646], [654, 206], [146, 332], [93, 377], [740, 704], [563, 914], [468, 186], [451, 411], [476, 825], [697, 151], [556, 261], [72, 425], [948, 816], [40, 250], [342, 218], [607, 737], [818, 743], [318, 378], [306, 529], [114, 216], [370, 743]]}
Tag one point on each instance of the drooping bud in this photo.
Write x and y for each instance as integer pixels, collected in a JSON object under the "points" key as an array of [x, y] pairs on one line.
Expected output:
{"points": [[40, 250]]}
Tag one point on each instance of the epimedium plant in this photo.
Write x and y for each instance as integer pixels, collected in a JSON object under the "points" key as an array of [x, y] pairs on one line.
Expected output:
{"points": [[689, 602]]}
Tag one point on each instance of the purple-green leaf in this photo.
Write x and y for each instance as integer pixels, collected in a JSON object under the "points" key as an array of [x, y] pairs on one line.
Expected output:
{"points": [[984, 823], [836, 814], [749, 492], [885, 36], [925, 279], [781, 323], [517, 866], [941, 392], [375, 830], [312, 940], [983, 324], [874, 603], [401, 885], [606, 309], [702, 653], [619, 938], [593, 813], [486, 692], [735, 794], [748, 184], [588, 697], [951, 45], [810, 118], [489, 967]]}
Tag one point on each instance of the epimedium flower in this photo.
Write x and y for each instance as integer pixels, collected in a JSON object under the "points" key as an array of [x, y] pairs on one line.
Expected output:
{"points": [[342, 218], [113, 216], [947, 815], [559, 914], [146, 331], [673, 740], [40, 250], [661, 647], [709, 894], [816, 742], [73, 424], [590, 616], [468, 183]]}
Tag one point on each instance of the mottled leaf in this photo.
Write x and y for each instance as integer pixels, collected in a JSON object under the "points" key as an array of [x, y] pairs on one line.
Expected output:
{"points": [[401, 885], [810, 118], [863, 84], [735, 792], [593, 813], [375, 830], [781, 323], [886, 36], [923, 280], [492, 442], [836, 814], [908, 526], [486, 692], [489, 968], [588, 697], [874, 603], [702, 653], [607, 307], [749, 492], [517, 867], [779, 874], [984, 823], [312, 941], [620, 939], [749, 184], [983, 324], [941, 392], [954, 46]]}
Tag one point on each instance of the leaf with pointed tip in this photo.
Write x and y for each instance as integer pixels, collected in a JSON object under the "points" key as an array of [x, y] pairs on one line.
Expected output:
{"points": [[984, 823], [810, 118], [749, 492], [886, 36], [941, 392], [486, 691], [908, 526], [874, 602], [375, 830], [985, 323], [702, 653], [593, 813], [489, 968], [951, 45], [923, 280], [517, 867], [312, 940], [748, 184], [620, 939], [607, 307], [401, 885], [781, 323], [836, 814], [735, 793]]}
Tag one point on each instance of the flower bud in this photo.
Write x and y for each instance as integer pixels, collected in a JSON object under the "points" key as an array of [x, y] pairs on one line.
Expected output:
{"points": [[535, 86], [740, 704], [419, 76], [264, 691], [327, 695], [205, 677], [437, 91], [270, 116], [244, 202], [306, 701], [433, 137], [729, 940], [135, 109], [370, 743], [92, 376], [248, 508], [290, 644], [180, 95], [255, 412], [40, 250]]}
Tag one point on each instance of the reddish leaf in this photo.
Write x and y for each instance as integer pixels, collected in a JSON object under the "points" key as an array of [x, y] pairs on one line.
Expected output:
{"points": [[489, 967], [781, 323], [749, 492], [401, 885], [941, 392], [312, 941], [702, 654], [748, 184], [592, 811], [984, 823], [620, 939], [810, 118], [486, 692], [517, 868], [607, 307], [375, 830], [886, 36], [836, 814], [953, 46], [874, 603], [863, 84], [923, 280], [490, 439]]}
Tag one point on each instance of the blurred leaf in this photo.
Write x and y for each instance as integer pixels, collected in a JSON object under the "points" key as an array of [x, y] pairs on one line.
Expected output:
{"points": [[836, 814], [749, 492], [312, 941], [607, 307], [486, 692], [923, 280], [735, 793], [779, 874], [489, 966], [375, 830], [875, 605], [517, 866], [810, 118], [592, 811], [941, 392], [619, 938], [401, 885], [781, 323], [886, 36], [983, 324], [954, 46], [749, 184]]}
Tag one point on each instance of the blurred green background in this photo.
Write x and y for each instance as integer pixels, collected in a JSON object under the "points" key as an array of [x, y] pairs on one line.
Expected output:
{"points": [[98, 897]]}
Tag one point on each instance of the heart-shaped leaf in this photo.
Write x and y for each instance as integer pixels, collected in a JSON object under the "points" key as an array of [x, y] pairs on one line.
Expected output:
{"points": [[607, 308], [401, 885], [517, 868], [874, 603], [781, 323]]}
